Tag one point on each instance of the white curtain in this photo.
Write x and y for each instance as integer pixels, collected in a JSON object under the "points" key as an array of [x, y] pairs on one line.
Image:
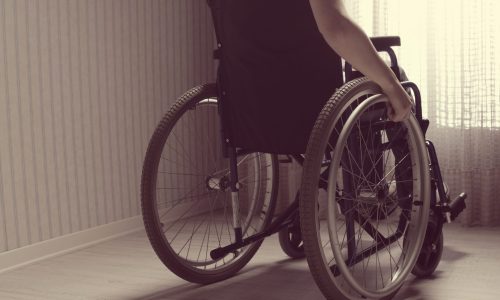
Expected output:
{"points": [[451, 49]]}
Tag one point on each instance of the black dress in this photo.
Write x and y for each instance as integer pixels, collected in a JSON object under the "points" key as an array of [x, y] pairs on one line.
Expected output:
{"points": [[275, 74]]}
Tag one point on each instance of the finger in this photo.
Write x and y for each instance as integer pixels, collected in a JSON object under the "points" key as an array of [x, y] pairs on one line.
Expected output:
{"points": [[407, 115], [393, 116], [390, 110], [397, 117]]}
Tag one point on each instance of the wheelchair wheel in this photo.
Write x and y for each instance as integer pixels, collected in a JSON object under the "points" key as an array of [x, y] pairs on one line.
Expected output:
{"points": [[290, 239], [185, 194], [291, 243], [432, 249], [364, 246]]}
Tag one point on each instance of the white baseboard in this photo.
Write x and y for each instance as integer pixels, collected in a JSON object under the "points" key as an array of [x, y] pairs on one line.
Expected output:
{"points": [[61, 245]]}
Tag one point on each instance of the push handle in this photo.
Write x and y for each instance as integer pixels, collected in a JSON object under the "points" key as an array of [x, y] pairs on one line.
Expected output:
{"points": [[382, 44]]}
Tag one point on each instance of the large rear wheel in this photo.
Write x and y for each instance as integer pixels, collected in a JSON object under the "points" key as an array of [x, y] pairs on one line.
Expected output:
{"points": [[185, 193], [363, 241]]}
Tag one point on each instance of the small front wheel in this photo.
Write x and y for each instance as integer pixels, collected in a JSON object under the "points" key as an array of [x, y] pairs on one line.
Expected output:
{"points": [[432, 249], [290, 239]]}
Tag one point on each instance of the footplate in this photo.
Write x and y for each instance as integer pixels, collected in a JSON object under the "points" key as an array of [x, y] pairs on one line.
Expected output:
{"points": [[457, 206]]}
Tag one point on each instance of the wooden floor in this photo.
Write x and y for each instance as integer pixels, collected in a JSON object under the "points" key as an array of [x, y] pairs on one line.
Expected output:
{"points": [[126, 268]]}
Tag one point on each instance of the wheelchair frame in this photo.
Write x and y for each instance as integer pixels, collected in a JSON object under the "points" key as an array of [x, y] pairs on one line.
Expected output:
{"points": [[446, 208]]}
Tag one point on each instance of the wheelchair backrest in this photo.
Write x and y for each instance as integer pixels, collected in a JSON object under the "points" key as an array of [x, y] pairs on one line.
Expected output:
{"points": [[275, 74]]}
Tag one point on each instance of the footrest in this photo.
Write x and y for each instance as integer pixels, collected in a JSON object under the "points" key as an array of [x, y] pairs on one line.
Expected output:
{"points": [[457, 206]]}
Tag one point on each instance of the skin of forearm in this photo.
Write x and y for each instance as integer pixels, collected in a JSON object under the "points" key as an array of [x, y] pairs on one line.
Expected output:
{"points": [[350, 42]]}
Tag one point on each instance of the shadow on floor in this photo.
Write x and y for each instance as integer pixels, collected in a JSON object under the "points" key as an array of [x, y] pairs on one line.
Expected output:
{"points": [[284, 279], [279, 281], [451, 254]]}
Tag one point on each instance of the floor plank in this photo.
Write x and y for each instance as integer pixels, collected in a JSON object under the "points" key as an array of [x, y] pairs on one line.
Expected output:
{"points": [[127, 268]]}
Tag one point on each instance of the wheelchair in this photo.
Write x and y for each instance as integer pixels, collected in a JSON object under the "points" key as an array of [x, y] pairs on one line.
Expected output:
{"points": [[370, 208]]}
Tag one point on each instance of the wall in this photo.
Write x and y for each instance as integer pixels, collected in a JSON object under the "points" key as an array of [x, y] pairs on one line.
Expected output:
{"points": [[82, 85]]}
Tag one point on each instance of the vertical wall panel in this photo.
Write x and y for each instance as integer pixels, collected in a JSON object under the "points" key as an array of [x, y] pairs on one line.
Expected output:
{"points": [[133, 118], [39, 196], [83, 84], [29, 120], [3, 133], [13, 177], [125, 110], [46, 100], [77, 163], [86, 183], [101, 111]]}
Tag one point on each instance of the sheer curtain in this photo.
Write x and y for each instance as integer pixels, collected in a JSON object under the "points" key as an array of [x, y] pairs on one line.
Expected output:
{"points": [[451, 49]]}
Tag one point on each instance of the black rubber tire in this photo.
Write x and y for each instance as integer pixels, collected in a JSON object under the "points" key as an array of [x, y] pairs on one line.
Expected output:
{"points": [[291, 243], [148, 184]]}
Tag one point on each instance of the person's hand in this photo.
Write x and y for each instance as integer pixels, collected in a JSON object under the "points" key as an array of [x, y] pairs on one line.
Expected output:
{"points": [[399, 105]]}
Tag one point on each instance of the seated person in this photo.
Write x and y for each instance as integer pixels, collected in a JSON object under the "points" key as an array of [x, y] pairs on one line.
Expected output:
{"points": [[280, 63]]}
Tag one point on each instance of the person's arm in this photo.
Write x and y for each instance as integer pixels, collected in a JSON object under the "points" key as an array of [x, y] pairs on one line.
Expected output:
{"points": [[352, 43]]}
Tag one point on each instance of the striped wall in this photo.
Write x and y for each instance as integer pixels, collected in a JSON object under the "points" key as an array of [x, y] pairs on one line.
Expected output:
{"points": [[82, 86]]}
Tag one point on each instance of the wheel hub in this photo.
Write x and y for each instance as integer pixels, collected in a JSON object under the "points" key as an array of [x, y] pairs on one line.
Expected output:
{"points": [[382, 193], [217, 183]]}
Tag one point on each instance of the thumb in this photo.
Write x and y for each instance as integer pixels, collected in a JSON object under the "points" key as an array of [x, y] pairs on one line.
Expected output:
{"points": [[390, 111]]}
